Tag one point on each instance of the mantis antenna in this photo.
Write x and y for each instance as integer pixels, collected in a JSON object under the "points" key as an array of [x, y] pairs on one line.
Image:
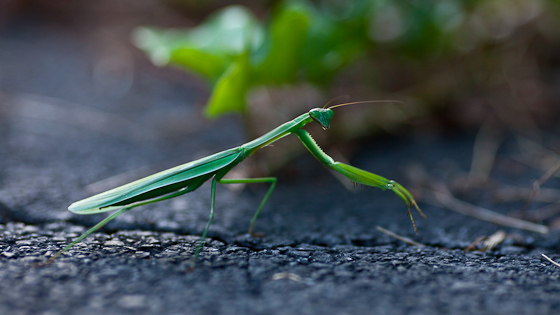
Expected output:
{"points": [[364, 102], [335, 98]]}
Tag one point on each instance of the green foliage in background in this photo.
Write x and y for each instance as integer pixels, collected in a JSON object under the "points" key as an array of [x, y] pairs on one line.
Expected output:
{"points": [[234, 51], [304, 42]]}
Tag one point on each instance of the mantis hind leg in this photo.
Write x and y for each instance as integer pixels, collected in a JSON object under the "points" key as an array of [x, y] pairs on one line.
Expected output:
{"points": [[86, 234], [113, 216], [271, 180]]}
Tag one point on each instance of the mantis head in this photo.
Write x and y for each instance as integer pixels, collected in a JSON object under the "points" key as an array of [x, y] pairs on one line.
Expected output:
{"points": [[322, 116]]}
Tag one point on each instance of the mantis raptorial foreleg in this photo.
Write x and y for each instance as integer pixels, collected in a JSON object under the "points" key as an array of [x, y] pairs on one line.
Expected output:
{"points": [[358, 175]]}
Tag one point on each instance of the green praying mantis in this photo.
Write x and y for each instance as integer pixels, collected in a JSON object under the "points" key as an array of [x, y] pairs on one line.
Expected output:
{"points": [[188, 177]]}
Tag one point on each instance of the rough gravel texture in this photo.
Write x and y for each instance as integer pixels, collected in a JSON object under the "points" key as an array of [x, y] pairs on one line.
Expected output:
{"points": [[321, 254]]}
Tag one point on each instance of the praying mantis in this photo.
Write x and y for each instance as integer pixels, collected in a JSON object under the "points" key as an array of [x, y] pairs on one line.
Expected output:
{"points": [[188, 177]]}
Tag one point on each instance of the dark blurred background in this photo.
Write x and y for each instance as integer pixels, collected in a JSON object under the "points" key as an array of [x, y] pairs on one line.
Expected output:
{"points": [[454, 63]]}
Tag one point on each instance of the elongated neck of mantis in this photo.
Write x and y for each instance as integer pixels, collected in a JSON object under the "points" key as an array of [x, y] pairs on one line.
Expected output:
{"points": [[278, 132]]}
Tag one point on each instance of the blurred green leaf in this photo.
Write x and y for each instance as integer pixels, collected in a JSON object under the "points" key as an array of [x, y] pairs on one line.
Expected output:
{"points": [[230, 89], [282, 50], [333, 42], [205, 64], [208, 49]]}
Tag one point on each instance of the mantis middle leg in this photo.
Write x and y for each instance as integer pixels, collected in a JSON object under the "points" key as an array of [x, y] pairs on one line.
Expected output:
{"points": [[271, 180]]}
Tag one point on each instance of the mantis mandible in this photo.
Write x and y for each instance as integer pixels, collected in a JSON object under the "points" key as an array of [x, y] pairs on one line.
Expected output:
{"points": [[188, 177]]}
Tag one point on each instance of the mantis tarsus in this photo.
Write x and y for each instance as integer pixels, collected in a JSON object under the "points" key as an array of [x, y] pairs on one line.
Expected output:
{"points": [[188, 177]]}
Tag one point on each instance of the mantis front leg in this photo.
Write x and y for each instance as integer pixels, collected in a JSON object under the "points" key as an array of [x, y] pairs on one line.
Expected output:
{"points": [[358, 175]]}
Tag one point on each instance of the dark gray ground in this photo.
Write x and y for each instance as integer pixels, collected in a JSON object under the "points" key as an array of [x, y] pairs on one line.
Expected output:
{"points": [[60, 131]]}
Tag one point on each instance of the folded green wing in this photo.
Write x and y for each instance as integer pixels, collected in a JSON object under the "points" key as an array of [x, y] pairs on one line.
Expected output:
{"points": [[186, 176]]}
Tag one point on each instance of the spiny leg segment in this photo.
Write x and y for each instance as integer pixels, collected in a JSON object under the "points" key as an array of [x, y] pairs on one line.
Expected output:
{"points": [[358, 175]]}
